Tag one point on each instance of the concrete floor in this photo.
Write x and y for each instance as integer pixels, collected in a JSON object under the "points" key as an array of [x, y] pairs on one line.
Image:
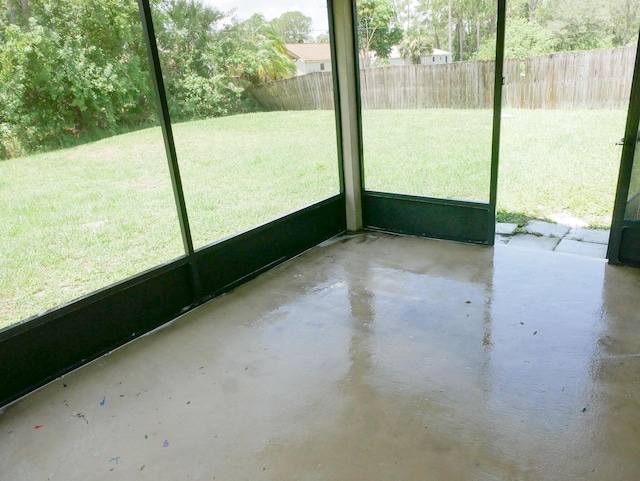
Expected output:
{"points": [[373, 357]]}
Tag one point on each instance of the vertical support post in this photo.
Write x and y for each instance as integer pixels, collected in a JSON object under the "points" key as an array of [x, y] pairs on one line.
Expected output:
{"points": [[347, 71], [497, 119], [167, 133]]}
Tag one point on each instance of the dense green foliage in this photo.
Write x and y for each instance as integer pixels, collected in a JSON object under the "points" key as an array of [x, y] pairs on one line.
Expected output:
{"points": [[534, 27], [196, 85], [73, 65], [70, 69]]}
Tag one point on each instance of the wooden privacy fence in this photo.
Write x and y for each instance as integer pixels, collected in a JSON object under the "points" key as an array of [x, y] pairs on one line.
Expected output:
{"points": [[313, 91], [597, 79]]}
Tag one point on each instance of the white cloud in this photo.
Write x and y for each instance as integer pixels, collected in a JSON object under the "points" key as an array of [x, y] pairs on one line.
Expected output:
{"points": [[316, 9]]}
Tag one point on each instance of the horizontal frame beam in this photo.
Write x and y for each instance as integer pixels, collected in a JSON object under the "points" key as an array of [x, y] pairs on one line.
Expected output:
{"points": [[225, 265]]}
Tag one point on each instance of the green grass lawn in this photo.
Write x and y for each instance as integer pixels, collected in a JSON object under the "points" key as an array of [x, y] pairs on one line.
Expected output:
{"points": [[78, 219], [551, 162]]}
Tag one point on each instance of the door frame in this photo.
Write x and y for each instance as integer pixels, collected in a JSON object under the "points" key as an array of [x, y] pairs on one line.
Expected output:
{"points": [[624, 241]]}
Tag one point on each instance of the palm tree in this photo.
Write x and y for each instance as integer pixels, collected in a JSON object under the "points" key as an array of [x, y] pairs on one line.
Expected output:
{"points": [[269, 53], [415, 45]]}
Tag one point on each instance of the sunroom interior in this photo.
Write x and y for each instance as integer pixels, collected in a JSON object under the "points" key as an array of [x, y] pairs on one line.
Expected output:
{"points": [[367, 335]]}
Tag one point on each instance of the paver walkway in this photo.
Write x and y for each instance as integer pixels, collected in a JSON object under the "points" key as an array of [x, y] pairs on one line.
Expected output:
{"points": [[555, 237]]}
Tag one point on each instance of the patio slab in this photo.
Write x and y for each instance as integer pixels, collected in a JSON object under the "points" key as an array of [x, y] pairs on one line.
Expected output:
{"points": [[582, 248], [531, 241], [545, 229], [506, 228], [597, 236]]}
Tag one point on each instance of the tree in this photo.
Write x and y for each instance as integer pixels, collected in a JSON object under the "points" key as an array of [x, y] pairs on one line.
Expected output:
{"points": [[196, 84], [523, 9], [378, 29], [523, 38], [322, 38], [78, 67], [465, 24], [432, 16], [251, 51], [415, 45], [577, 24], [184, 29], [485, 14], [292, 27], [11, 11], [625, 18], [625, 21], [26, 11], [474, 20], [19, 12]]}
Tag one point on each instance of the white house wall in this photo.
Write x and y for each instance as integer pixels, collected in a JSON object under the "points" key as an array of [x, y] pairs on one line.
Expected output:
{"points": [[434, 59], [310, 67]]}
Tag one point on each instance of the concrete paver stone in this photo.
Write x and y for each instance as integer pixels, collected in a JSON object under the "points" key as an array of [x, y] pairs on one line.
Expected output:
{"points": [[545, 229], [506, 228], [582, 248], [561, 238], [597, 236]]}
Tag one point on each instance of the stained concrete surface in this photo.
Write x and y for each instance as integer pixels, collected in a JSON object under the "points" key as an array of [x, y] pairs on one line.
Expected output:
{"points": [[373, 357]]}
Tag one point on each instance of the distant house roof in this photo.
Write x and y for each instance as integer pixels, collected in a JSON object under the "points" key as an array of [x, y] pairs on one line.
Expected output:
{"points": [[309, 52]]}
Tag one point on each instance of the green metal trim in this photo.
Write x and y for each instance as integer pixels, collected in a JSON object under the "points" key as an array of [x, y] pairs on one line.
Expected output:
{"points": [[68, 338], [227, 264], [449, 219], [81, 303], [626, 170], [497, 119], [167, 134]]}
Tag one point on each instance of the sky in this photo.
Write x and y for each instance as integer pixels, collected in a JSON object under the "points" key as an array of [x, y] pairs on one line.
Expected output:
{"points": [[316, 9]]}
